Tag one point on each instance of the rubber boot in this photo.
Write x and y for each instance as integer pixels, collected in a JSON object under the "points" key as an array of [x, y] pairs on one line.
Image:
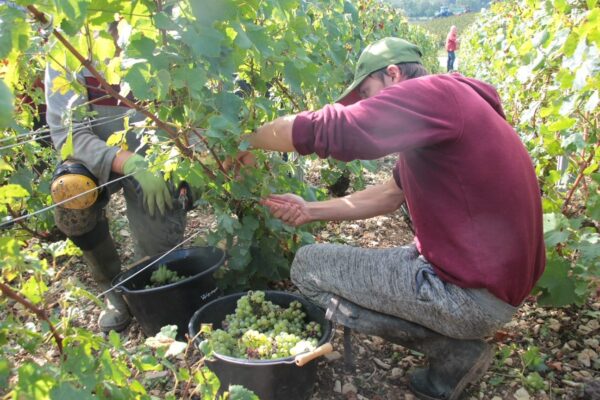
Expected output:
{"points": [[104, 264], [453, 363]]}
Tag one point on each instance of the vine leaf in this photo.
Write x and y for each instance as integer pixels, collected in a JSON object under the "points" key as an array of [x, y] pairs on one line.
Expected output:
{"points": [[6, 105], [34, 290], [558, 286], [67, 149]]}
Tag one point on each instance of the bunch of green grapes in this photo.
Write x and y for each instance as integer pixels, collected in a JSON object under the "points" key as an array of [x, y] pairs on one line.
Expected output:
{"points": [[259, 329], [163, 276]]}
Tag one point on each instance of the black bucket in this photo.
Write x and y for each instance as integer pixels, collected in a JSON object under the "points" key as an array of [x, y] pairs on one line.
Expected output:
{"points": [[171, 304], [279, 379]]}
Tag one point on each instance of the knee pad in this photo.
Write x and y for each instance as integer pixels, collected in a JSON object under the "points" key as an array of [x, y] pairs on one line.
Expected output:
{"points": [[73, 179], [94, 237], [74, 223]]}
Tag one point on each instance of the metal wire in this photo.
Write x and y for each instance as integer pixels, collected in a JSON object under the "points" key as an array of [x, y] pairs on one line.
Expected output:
{"points": [[95, 122], [150, 264], [26, 216], [10, 146]]}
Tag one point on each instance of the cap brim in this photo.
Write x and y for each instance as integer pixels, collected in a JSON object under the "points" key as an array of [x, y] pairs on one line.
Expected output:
{"points": [[351, 94]]}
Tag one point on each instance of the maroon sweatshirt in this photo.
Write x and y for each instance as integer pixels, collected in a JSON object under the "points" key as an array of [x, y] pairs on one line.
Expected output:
{"points": [[469, 182]]}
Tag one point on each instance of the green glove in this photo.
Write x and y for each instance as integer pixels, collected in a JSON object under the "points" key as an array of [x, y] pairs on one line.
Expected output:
{"points": [[154, 188]]}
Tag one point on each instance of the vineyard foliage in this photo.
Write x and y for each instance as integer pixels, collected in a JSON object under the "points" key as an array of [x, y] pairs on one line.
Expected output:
{"points": [[205, 73], [544, 58], [440, 27]]}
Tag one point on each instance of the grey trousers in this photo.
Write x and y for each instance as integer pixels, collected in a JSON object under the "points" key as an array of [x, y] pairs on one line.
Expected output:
{"points": [[398, 282]]}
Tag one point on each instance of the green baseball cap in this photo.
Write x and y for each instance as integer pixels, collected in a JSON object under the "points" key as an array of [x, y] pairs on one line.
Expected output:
{"points": [[378, 55]]}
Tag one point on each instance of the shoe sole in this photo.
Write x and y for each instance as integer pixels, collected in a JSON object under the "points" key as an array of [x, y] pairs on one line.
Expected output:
{"points": [[475, 373], [117, 327]]}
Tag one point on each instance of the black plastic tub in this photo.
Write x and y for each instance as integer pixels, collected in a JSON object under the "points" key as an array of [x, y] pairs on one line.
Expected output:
{"points": [[171, 304], [279, 379]]}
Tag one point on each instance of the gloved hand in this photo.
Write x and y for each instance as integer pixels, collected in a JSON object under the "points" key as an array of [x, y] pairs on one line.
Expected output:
{"points": [[154, 188]]}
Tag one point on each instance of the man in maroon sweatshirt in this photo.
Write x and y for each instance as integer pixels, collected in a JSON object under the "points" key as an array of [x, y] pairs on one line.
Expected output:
{"points": [[473, 196]]}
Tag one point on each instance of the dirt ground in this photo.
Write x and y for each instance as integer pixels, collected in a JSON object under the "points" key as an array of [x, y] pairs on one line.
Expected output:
{"points": [[566, 340]]}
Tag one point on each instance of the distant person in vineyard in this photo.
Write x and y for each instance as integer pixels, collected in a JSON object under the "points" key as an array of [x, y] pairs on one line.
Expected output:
{"points": [[474, 200], [451, 47], [91, 116]]}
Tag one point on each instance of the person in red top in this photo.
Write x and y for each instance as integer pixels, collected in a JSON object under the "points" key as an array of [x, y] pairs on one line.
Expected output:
{"points": [[473, 196], [451, 47]]}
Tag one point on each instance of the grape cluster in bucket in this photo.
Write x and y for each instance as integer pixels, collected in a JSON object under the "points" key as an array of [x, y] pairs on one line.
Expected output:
{"points": [[259, 329]]}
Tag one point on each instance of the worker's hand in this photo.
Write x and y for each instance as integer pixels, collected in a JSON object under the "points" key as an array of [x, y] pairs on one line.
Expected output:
{"points": [[289, 208], [155, 191]]}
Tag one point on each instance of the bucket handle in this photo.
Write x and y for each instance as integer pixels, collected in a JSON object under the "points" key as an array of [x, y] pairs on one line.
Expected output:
{"points": [[302, 359]]}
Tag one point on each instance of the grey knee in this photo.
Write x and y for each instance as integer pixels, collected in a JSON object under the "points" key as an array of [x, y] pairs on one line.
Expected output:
{"points": [[86, 228], [300, 265], [73, 222]]}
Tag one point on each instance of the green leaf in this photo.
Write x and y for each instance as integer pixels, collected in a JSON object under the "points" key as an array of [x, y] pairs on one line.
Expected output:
{"points": [[571, 44], [249, 225], [116, 138], [163, 84], [532, 358], [589, 248], [34, 290], [230, 106], [239, 257], [555, 229], [535, 382], [293, 77], [169, 331], [207, 12], [6, 105], [4, 372], [560, 5], [557, 283], [137, 387], [237, 392], [203, 41], [208, 382], [141, 47], [562, 124], [14, 31], [139, 80], [12, 191], [66, 150], [4, 166], [593, 207], [241, 39], [163, 21], [227, 223], [114, 339], [33, 382], [219, 126], [592, 103], [66, 391]]}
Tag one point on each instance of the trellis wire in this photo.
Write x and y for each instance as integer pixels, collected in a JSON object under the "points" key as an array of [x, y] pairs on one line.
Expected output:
{"points": [[95, 122], [42, 210], [193, 235]]}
